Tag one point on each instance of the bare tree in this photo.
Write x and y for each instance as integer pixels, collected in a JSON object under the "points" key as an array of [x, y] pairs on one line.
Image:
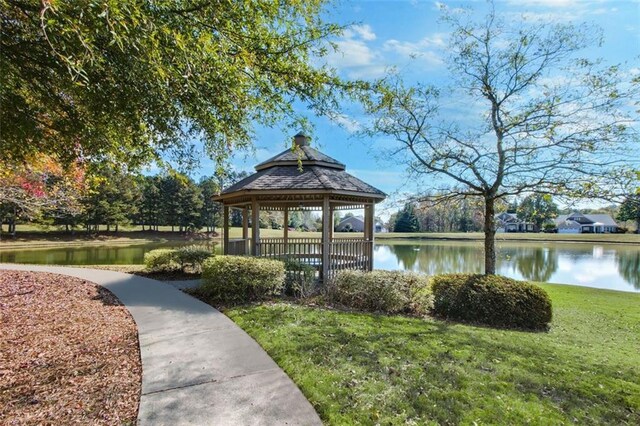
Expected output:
{"points": [[539, 120]]}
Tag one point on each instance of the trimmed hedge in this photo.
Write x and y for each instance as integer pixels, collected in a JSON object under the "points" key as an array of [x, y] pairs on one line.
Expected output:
{"points": [[491, 300], [161, 260], [176, 259], [299, 278], [240, 279], [193, 256], [382, 291]]}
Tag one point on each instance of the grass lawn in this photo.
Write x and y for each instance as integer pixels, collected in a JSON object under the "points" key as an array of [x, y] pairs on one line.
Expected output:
{"points": [[368, 369]]}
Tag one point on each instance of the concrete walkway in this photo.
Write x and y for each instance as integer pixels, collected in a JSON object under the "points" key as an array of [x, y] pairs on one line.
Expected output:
{"points": [[198, 367]]}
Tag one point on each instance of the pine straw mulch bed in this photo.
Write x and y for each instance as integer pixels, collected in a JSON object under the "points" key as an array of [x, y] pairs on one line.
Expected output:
{"points": [[68, 352]]}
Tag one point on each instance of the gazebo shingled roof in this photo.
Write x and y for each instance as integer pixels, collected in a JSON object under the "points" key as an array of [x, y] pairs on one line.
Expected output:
{"points": [[303, 177], [304, 168]]}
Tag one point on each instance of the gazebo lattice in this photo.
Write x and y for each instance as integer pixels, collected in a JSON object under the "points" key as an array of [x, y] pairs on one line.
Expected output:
{"points": [[303, 178]]}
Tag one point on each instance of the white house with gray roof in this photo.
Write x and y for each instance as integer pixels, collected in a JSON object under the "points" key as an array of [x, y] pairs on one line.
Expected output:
{"points": [[578, 223]]}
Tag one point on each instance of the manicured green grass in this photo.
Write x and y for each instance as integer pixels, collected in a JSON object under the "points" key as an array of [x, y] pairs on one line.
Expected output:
{"points": [[368, 369]]}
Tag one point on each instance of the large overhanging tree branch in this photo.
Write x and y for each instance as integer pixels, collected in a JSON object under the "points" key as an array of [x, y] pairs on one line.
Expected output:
{"points": [[130, 79], [544, 121]]}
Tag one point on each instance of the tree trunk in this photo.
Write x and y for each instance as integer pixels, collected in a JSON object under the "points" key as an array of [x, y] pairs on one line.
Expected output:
{"points": [[489, 237]]}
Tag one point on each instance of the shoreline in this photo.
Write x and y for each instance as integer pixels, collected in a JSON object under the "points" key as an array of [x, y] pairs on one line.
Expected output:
{"points": [[603, 240], [43, 240]]}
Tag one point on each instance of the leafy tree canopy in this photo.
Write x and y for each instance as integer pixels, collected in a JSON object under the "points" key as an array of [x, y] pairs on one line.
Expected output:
{"points": [[127, 80], [538, 208]]}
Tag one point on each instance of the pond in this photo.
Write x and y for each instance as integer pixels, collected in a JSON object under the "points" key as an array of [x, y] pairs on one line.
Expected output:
{"points": [[615, 267], [87, 255]]}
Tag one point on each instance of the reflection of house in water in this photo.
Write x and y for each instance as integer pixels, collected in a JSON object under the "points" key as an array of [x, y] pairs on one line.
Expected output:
{"points": [[509, 222], [578, 223]]}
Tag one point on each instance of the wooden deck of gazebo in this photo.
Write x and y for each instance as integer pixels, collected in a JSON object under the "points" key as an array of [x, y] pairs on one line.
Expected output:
{"points": [[302, 178]]}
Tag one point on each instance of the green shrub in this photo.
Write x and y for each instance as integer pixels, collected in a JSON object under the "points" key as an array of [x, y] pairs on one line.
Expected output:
{"points": [[238, 279], [300, 278], [492, 300], [382, 291], [192, 256], [161, 260]]}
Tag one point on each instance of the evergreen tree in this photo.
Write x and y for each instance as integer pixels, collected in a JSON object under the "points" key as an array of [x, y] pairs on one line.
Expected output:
{"points": [[407, 221], [113, 200], [630, 210], [210, 215]]}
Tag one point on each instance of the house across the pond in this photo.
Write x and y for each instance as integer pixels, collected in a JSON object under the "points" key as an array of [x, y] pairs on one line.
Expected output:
{"points": [[356, 224], [509, 222], [578, 223]]}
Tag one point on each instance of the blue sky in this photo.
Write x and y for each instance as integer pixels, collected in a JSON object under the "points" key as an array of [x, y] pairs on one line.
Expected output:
{"points": [[408, 35]]}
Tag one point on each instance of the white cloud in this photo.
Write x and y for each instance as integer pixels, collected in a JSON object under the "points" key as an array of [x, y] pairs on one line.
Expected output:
{"points": [[348, 123], [354, 56], [365, 32], [425, 49], [351, 53]]}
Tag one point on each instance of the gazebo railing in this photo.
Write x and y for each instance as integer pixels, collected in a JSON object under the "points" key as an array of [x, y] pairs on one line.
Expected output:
{"points": [[307, 250], [344, 253], [239, 247], [349, 253]]}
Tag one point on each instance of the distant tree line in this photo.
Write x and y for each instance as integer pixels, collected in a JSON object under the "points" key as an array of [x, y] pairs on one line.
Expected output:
{"points": [[467, 215], [116, 198]]}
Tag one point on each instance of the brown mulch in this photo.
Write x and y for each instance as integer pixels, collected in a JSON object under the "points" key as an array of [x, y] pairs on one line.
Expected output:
{"points": [[68, 353]]}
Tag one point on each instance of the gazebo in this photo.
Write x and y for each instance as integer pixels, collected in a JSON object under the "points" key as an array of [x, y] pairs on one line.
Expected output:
{"points": [[302, 178]]}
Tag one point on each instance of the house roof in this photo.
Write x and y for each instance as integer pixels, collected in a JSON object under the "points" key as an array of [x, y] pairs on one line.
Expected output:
{"points": [[351, 219], [603, 219], [569, 225], [508, 217]]}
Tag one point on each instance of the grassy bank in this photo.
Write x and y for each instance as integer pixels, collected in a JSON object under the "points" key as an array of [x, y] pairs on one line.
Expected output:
{"points": [[31, 236], [366, 369]]}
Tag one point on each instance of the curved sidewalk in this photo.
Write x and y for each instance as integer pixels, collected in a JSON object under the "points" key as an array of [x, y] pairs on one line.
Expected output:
{"points": [[198, 367]]}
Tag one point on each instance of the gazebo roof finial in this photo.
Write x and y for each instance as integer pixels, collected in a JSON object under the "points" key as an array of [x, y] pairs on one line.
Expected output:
{"points": [[301, 139]]}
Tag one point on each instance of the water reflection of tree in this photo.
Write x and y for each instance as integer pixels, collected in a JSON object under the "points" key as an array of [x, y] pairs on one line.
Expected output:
{"points": [[439, 259], [537, 264], [407, 254], [629, 267]]}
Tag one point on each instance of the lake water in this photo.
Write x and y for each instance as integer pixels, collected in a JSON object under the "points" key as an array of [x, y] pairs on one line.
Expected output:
{"points": [[615, 267]]}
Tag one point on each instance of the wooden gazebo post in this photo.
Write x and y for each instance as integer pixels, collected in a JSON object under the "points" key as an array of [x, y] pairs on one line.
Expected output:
{"points": [[225, 227], [245, 230], [255, 227], [326, 238], [369, 232]]}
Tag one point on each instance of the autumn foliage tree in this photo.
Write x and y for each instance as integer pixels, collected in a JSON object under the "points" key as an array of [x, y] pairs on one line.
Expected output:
{"points": [[40, 184]]}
